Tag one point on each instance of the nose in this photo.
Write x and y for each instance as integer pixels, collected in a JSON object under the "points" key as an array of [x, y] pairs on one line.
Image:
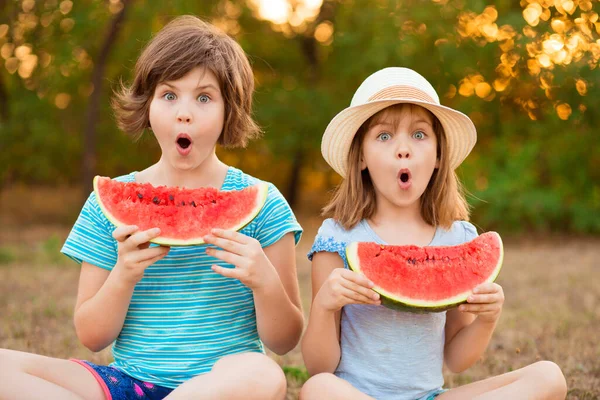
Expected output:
{"points": [[403, 149], [184, 116], [403, 154]]}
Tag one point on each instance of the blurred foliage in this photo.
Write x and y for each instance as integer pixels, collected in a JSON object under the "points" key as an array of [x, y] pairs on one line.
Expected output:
{"points": [[6, 256], [526, 73]]}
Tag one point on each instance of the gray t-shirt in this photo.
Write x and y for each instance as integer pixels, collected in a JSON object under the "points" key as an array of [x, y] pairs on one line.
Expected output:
{"points": [[385, 353]]}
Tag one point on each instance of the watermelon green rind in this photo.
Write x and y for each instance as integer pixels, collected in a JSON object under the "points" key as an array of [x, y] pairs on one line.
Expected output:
{"points": [[394, 301], [170, 241]]}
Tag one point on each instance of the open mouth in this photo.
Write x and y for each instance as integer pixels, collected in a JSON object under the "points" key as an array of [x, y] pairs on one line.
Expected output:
{"points": [[404, 177], [184, 143]]}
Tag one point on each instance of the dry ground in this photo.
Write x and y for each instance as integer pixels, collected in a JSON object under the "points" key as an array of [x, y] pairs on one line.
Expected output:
{"points": [[552, 308]]}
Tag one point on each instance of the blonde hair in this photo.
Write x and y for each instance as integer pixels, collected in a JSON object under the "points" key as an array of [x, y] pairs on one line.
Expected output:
{"points": [[442, 203], [182, 45]]}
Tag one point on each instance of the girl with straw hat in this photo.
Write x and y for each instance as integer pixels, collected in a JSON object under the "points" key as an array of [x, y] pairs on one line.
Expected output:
{"points": [[397, 149]]}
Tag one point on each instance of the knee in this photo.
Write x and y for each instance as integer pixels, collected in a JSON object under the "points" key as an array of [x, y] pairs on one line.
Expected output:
{"points": [[316, 386], [273, 383], [10, 360], [3, 359], [266, 379], [552, 377]]}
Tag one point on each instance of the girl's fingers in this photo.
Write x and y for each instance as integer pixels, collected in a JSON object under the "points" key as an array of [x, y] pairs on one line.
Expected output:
{"points": [[227, 272], [121, 233], [357, 278], [145, 255], [225, 244], [488, 287], [478, 308], [155, 259], [231, 235], [365, 291], [357, 298], [141, 237], [482, 298], [226, 256]]}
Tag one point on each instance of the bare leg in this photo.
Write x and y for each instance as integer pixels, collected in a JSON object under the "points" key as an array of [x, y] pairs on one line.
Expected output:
{"points": [[542, 380], [26, 376], [329, 387], [246, 376]]}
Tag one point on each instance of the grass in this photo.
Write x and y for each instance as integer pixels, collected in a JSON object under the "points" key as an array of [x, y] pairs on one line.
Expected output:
{"points": [[552, 308]]}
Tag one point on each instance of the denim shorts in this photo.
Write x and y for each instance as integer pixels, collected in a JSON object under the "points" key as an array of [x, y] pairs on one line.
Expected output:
{"points": [[119, 386]]}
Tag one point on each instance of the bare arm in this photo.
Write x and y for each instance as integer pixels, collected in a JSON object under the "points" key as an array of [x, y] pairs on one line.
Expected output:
{"points": [[469, 341], [278, 310], [470, 328], [101, 290], [321, 341], [271, 274], [332, 288]]}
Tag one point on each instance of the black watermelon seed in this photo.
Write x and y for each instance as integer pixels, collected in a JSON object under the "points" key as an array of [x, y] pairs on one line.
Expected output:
{"points": [[155, 200], [193, 203], [183, 203], [171, 197], [141, 196]]}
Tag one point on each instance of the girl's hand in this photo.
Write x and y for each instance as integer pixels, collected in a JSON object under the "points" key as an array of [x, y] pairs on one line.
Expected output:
{"points": [[134, 252], [342, 287], [485, 302], [252, 267]]}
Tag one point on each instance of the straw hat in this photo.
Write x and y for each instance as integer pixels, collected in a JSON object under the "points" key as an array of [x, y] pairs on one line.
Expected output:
{"points": [[382, 89]]}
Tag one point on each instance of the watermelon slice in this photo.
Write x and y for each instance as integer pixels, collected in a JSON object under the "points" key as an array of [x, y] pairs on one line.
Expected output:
{"points": [[431, 278], [184, 216]]}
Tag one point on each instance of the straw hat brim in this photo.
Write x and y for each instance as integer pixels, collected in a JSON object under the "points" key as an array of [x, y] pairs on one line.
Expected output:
{"points": [[460, 131]]}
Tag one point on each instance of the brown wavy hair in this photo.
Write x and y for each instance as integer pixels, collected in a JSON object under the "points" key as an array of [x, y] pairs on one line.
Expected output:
{"points": [[442, 203], [183, 44]]}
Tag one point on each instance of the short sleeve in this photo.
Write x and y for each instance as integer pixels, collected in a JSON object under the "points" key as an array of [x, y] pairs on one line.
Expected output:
{"points": [[330, 239], [91, 238], [275, 219], [470, 232]]}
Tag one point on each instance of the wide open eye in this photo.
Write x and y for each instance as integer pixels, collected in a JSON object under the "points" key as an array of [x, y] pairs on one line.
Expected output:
{"points": [[203, 98], [169, 96], [384, 136], [419, 135]]}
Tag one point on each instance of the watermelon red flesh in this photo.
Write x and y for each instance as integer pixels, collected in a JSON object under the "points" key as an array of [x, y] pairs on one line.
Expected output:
{"points": [[436, 277], [184, 216]]}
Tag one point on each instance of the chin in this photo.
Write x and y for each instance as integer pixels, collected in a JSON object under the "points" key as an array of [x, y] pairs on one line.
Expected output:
{"points": [[406, 204], [407, 198], [185, 165]]}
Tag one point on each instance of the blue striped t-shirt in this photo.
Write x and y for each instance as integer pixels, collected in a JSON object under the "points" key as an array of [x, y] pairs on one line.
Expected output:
{"points": [[183, 317]]}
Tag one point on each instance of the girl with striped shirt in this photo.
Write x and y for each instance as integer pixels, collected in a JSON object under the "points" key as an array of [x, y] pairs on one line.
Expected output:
{"points": [[185, 322]]}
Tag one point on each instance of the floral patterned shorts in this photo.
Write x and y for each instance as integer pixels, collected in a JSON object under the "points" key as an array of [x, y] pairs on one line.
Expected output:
{"points": [[119, 386]]}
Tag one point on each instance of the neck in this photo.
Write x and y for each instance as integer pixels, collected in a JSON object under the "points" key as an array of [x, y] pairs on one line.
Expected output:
{"points": [[387, 213], [210, 173], [401, 225]]}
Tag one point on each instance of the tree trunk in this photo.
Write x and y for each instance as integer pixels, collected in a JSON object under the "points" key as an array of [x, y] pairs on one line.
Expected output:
{"points": [[294, 181], [91, 120], [309, 47], [3, 102]]}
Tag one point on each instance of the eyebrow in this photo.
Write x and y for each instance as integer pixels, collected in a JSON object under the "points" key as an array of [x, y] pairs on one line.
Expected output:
{"points": [[420, 120], [202, 87]]}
